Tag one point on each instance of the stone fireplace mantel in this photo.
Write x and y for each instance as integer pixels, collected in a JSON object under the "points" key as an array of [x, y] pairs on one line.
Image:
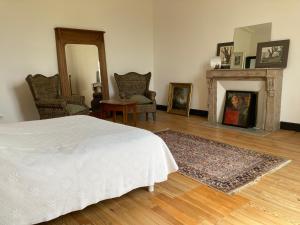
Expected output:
{"points": [[273, 86]]}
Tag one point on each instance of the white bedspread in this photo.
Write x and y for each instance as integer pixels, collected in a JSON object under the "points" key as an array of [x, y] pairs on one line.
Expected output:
{"points": [[52, 167]]}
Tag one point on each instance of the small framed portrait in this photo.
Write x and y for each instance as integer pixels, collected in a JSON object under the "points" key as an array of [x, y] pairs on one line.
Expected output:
{"points": [[250, 62], [225, 50], [237, 61], [240, 109], [273, 54], [180, 95]]}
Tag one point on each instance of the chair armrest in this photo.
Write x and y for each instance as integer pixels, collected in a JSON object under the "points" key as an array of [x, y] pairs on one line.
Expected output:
{"points": [[51, 103], [75, 99], [151, 95]]}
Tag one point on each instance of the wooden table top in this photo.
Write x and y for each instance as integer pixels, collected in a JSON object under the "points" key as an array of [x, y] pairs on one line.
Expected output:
{"points": [[118, 102]]}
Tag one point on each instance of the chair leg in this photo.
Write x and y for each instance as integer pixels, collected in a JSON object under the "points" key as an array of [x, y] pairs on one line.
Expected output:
{"points": [[147, 116], [154, 116]]}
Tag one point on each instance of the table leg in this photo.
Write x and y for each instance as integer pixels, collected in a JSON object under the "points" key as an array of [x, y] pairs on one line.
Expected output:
{"points": [[134, 115], [114, 116], [126, 114]]}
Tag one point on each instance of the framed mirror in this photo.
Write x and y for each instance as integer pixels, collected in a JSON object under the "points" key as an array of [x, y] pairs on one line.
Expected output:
{"points": [[246, 38], [83, 68], [81, 61]]}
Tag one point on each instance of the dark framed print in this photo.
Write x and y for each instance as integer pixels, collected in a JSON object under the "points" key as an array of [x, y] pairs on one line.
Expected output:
{"points": [[250, 62], [179, 101], [240, 109], [225, 51], [273, 54]]}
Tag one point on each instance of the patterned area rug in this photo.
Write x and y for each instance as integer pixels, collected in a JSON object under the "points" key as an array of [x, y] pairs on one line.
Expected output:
{"points": [[221, 166]]}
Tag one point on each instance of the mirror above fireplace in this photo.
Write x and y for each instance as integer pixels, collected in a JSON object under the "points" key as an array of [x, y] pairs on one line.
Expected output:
{"points": [[246, 38]]}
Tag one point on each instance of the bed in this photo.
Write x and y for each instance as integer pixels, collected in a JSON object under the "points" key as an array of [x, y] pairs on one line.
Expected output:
{"points": [[49, 168]]}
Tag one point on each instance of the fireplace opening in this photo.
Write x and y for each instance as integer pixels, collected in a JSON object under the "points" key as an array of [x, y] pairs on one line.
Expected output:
{"points": [[240, 108]]}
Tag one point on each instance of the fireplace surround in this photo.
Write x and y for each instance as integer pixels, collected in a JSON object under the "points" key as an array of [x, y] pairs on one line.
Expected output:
{"points": [[272, 81]]}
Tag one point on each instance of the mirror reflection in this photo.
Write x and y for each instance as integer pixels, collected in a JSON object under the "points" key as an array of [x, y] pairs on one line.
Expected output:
{"points": [[246, 38], [83, 69]]}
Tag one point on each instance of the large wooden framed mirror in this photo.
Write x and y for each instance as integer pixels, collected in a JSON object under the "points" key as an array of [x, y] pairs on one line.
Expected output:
{"points": [[81, 61]]}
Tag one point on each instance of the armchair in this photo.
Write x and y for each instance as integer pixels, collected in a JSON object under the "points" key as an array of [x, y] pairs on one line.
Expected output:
{"points": [[48, 100], [135, 87]]}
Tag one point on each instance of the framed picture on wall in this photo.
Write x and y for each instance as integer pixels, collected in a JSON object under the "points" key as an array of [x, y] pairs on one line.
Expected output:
{"points": [[179, 100], [240, 109], [225, 51], [273, 54]]}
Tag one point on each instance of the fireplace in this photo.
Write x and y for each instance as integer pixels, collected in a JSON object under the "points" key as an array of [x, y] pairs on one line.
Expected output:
{"points": [[267, 83]]}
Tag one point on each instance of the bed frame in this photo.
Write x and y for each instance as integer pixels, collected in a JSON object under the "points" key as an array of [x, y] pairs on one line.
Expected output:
{"points": [[151, 188]]}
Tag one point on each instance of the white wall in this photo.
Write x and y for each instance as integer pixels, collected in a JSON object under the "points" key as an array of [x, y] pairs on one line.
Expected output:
{"points": [[187, 32], [185, 37], [27, 42]]}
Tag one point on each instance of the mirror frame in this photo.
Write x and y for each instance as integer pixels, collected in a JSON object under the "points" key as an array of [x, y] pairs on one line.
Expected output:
{"points": [[66, 36]]}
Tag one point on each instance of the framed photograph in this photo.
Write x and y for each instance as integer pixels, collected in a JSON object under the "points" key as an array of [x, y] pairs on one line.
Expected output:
{"points": [[215, 63], [237, 61], [250, 62], [240, 109], [273, 54], [225, 50], [180, 95]]}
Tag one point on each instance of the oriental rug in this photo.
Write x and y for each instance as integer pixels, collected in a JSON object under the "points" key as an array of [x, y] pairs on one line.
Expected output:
{"points": [[221, 166]]}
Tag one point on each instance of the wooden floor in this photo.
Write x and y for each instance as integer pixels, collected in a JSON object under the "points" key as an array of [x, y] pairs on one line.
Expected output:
{"points": [[275, 199]]}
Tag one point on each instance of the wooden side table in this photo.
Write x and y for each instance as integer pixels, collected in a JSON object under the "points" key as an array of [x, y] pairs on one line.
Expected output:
{"points": [[124, 106]]}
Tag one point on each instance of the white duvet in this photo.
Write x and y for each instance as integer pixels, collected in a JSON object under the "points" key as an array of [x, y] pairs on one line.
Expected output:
{"points": [[52, 167]]}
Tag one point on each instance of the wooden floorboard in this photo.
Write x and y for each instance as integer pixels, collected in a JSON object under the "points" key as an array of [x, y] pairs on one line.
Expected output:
{"points": [[275, 199]]}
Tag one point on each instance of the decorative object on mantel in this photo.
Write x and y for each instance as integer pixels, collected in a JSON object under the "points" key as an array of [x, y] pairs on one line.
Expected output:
{"points": [[237, 60], [179, 100], [273, 54], [250, 62], [215, 63], [225, 50], [218, 165], [240, 109], [272, 79]]}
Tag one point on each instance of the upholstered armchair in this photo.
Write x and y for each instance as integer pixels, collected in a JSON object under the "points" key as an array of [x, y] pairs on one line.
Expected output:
{"points": [[135, 87], [48, 100]]}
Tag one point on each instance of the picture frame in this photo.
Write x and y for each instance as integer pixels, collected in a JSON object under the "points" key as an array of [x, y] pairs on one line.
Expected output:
{"points": [[237, 60], [250, 62], [273, 54], [225, 51], [179, 99], [240, 109], [215, 63]]}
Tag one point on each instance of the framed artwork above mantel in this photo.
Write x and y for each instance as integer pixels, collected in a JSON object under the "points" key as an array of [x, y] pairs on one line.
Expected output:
{"points": [[272, 54]]}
